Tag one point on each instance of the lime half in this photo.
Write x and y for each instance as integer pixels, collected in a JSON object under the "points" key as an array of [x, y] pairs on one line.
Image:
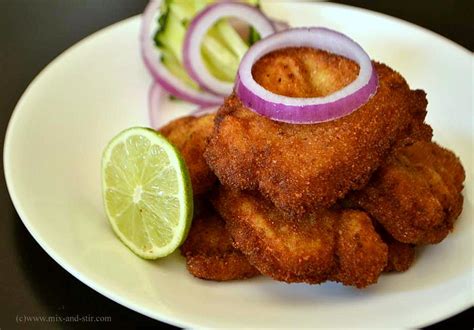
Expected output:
{"points": [[147, 192]]}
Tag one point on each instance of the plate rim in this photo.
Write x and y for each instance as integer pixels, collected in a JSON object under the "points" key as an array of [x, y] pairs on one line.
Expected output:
{"points": [[7, 151], [16, 200]]}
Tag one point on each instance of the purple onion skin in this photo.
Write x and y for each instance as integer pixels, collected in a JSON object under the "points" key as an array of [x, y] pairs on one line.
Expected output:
{"points": [[308, 114]]}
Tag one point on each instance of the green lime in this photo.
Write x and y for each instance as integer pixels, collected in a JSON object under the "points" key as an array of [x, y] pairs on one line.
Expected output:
{"points": [[147, 192]]}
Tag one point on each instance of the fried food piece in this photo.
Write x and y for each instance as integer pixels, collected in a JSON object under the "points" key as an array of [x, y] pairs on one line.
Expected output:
{"points": [[400, 256], [189, 135], [416, 194], [328, 245], [361, 252], [209, 252], [419, 131], [301, 167]]}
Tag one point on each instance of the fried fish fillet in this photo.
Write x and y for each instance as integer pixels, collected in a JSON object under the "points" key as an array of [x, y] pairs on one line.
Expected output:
{"points": [[189, 135], [209, 252], [301, 167], [328, 245], [416, 194]]}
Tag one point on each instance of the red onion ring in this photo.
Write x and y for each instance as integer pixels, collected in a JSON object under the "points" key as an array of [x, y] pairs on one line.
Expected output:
{"points": [[156, 97], [160, 73], [198, 28], [307, 110]]}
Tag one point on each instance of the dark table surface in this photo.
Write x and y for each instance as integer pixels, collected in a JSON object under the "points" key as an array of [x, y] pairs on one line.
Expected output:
{"points": [[32, 33]]}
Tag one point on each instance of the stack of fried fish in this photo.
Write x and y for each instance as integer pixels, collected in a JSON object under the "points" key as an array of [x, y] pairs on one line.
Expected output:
{"points": [[341, 201]]}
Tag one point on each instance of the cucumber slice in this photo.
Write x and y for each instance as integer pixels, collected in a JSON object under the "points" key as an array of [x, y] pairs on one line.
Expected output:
{"points": [[175, 67], [231, 38], [226, 62], [222, 48], [171, 36]]}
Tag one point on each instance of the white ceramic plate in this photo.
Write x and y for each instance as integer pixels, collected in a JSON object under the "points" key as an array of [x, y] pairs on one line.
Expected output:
{"points": [[99, 87]]}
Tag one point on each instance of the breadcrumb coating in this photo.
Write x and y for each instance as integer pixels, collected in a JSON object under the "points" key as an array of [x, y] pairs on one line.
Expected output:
{"points": [[303, 167], [416, 194], [338, 245], [189, 135], [209, 252]]}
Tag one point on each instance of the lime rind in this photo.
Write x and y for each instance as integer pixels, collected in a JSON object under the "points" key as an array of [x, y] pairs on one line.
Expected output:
{"points": [[133, 170]]}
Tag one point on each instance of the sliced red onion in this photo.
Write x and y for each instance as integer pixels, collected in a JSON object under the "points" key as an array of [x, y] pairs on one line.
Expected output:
{"points": [[307, 110], [160, 73], [201, 111], [198, 28], [156, 97]]}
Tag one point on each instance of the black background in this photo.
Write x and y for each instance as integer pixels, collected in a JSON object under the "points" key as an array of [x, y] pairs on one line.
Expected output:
{"points": [[34, 32]]}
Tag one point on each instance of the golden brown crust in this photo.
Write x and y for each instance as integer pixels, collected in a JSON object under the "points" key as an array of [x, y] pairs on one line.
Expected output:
{"points": [[327, 245], [209, 252], [416, 194], [303, 72], [400, 256], [302, 167], [228, 267], [361, 253], [190, 135]]}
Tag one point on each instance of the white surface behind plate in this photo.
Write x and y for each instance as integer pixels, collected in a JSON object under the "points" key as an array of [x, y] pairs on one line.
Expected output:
{"points": [[99, 87]]}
